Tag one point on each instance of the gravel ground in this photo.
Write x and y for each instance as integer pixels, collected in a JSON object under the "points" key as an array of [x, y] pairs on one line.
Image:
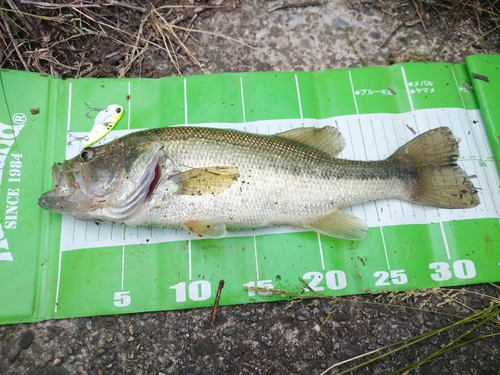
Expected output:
{"points": [[276, 338]]}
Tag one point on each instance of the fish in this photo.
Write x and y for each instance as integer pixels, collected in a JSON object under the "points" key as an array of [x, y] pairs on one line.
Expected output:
{"points": [[209, 181]]}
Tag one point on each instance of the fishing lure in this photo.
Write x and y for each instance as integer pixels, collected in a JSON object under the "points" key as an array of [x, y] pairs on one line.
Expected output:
{"points": [[104, 122]]}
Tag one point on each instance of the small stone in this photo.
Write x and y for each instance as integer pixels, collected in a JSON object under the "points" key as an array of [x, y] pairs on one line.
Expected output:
{"points": [[26, 339], [58, 361], [77, 334], [112, 357], [131, 330], [229, 331], [69, 351], [48, 358], [394, 46], [81, 323], [14, 353], [101, 351], [301, 318]]}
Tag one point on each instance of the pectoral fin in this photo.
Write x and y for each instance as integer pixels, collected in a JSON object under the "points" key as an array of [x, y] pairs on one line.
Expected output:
{"points": [[212, 228], [339, 224], [327, 140], [202, 181]]}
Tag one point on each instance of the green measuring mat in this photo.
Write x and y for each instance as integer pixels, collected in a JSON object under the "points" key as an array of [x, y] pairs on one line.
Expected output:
{"points": [[53, 266]]}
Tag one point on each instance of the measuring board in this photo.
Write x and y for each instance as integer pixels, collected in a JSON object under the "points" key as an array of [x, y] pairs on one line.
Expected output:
{"points": [[53, 266]]}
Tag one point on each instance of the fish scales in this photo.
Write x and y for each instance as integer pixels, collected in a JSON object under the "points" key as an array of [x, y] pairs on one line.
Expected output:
{"points": [[279, 181], [209, 180]]}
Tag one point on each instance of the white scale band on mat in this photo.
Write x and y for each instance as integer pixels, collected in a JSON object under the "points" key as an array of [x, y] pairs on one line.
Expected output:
{"points": [[368, 137]]}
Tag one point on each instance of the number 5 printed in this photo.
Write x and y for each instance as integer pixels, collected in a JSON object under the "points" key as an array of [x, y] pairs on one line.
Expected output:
{"points": [[122, 299]]}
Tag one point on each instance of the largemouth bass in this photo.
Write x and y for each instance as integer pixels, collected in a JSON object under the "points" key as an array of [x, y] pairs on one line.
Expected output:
{"points": [[209, 181]]}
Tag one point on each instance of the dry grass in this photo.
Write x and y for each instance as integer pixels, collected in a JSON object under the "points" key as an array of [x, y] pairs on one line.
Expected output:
{"points": [[104, 38], [111, 38], [464, 23]]}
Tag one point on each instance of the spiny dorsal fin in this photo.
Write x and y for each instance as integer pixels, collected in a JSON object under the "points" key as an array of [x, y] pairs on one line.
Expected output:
{"points": [[340, 225], [208, 180], [328, 139]]}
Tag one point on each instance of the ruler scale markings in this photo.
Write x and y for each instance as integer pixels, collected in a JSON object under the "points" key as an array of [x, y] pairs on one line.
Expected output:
{"points": [[410, 99], [485, 197], [190, 265], [398, 145], [448, 255], [388, 154], [70, 95], [106, 233], [474, 130], [460, 118], [298, 97], [458, 87], [256, 257], [6, 256], [185, 103], [385, 247], [123, 265], [242, 100], [378, 158], [365, 158], [268, 131], [353, 93], [129, 99], [429, 126], [73, 232], [320, 247], [471, 152], [321, 252], [56, 304]]}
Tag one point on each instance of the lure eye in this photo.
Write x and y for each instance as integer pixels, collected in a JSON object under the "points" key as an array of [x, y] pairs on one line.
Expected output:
{"points": [[87, 153], [118, 110]]}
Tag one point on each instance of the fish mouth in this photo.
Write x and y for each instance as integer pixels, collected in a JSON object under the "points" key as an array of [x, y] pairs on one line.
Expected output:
{"points": [[73, 195], [59, 199]]}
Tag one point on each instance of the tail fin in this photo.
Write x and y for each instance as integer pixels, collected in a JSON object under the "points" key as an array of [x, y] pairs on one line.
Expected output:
{"points": [[438, 181]]}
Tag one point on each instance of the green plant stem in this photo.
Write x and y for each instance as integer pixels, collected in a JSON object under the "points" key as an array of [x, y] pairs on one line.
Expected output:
{"points": [[363, 62], [490, 313]]}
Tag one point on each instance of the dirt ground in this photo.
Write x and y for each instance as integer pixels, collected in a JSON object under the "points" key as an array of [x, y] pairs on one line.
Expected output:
{"points": [[269, 338]]}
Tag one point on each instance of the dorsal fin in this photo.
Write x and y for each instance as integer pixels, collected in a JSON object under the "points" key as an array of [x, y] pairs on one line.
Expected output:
{"points": [[327, 140]]}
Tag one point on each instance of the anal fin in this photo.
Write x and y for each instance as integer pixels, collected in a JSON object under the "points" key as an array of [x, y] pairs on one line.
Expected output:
{"points": [[340, 225]]}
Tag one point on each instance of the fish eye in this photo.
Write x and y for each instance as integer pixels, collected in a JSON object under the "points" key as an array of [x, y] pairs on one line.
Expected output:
{"points": [[118, 110], [87, 153]]}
